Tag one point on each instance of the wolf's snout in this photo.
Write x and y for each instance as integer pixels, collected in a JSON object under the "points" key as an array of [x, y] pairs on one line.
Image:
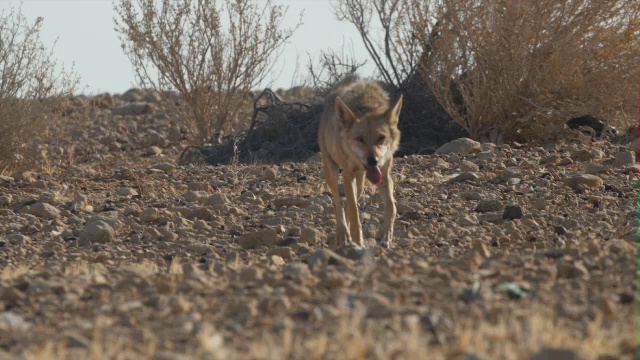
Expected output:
{"points": [[372, 161]]}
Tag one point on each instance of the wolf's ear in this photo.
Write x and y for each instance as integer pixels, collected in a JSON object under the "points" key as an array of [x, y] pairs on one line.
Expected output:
{"points": [[393, 114], [345, 116]]}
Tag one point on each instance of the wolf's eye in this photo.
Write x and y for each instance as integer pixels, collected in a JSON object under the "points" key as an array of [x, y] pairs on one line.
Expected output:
{"points": [[360, 139], [381, 139]]}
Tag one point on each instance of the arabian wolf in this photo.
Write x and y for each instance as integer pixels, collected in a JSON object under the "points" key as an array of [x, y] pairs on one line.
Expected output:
{"points": [[359, 133]]}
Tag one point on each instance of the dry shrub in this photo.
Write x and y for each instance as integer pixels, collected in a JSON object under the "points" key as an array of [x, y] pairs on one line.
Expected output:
{"points": [[387, 35], [329, 69], [387, 32], [518, 70], [33, 88], [212, 54], [280, 130]]}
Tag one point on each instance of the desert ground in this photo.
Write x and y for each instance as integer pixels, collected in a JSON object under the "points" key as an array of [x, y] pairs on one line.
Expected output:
{"points": [[111, 249]]}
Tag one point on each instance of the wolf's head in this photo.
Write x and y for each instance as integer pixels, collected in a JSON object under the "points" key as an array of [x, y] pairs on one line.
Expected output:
{"points": [[372, 137]]}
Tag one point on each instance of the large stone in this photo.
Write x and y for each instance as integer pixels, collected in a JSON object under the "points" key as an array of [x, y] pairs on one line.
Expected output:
{"points": [[41, 210], [97, 231], [624, 158], [590, 181], [462, 145]]}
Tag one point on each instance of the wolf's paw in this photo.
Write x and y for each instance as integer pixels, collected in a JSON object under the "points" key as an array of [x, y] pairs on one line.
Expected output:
{"points": [[384, 238], [342, 236]]}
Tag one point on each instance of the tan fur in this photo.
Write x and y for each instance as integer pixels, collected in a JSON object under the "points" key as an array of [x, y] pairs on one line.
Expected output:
{"points": [[358, 123]]}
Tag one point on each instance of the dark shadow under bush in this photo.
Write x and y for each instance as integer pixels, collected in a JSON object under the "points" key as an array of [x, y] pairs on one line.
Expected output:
{"points": [[287, 131]]}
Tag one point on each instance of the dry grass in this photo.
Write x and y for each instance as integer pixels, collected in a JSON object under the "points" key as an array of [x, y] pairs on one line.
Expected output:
{"points": [[354, 338]]}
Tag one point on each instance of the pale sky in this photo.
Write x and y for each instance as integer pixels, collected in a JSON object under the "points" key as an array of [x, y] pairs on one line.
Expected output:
{"points": [[86, 38]]}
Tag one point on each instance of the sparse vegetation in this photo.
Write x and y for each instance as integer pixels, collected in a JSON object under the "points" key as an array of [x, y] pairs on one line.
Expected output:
{"points": [[212, 53], [32, 86], [507, 70], [519, 70]]}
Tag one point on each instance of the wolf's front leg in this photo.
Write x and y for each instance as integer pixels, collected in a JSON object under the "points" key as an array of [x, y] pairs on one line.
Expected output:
{"points": [[342, 231], [353, 214], [384, 235]]}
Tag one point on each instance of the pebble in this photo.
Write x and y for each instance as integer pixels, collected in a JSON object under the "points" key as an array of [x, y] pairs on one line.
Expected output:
{"points": [[488, 205], [309, 236], [467, 176], [285, 253], [256, 239], [152, 151], [149, 215], [217, 199], [196, 196], [596, 169], [165, 167], [270, 174], [5, 200], [512, 212]]}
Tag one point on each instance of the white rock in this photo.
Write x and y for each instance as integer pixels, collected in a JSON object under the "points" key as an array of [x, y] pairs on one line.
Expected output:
{"points": [[462, 145]]}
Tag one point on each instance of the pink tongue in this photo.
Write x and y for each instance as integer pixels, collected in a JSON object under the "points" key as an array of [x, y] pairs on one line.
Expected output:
{"points": [[374, 175]]}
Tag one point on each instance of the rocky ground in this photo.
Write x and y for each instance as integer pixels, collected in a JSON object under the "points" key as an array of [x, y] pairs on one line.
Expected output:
{"points": [[112, 250]]}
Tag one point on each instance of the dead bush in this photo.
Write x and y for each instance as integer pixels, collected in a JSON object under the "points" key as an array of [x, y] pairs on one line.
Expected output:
{"points": [[518, 70], [280, 131], [212, 54], [32, 86]]}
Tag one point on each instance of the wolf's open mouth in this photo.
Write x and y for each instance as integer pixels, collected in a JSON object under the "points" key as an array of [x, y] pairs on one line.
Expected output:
{"points": [[374, 175]]}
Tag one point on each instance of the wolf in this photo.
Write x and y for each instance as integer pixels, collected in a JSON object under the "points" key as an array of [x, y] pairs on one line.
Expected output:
{"points": [[359, 134]]}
